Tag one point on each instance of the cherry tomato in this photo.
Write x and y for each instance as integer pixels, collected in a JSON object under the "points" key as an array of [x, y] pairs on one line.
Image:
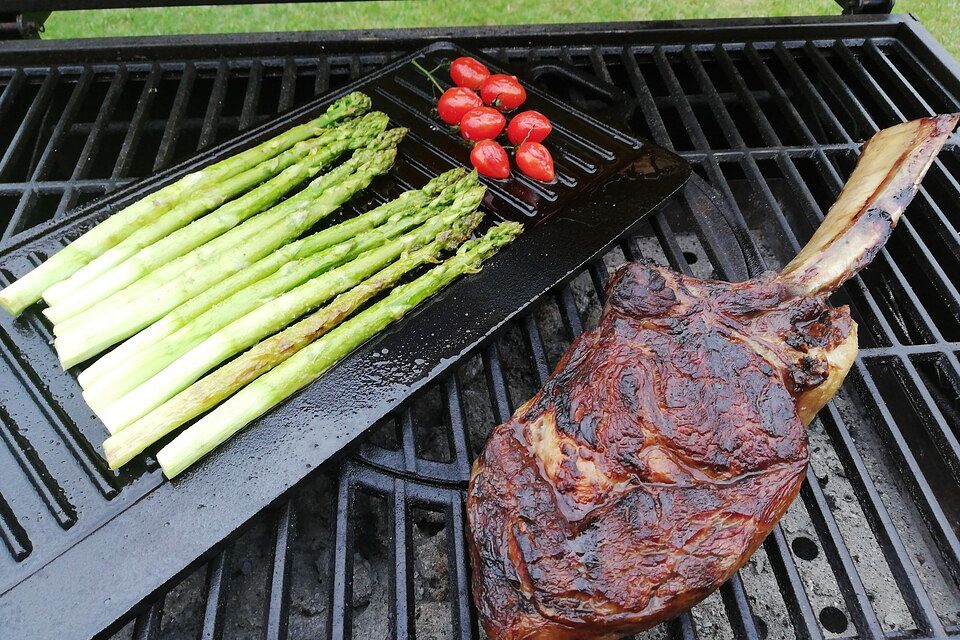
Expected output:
{"points": [[490, 159], [468, 72], [482, 123], [535, 161], [503, 92], [529, 126], [455, 102]]}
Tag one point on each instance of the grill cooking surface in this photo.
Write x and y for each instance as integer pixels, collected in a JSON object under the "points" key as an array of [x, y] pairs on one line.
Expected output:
{"points": [[373, 546]]}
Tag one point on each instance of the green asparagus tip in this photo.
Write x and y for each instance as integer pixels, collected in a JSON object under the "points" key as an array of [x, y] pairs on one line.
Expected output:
{"points": [[453, 175], [374, 154], [372, 123], [450, 239], [355, 101], [364, 155], [358, 131], [463, 184], [471, 198], [381, 161], [443, 181], [349, 105], [384, 142], [387, 139], [498, 236], [472, 178]]}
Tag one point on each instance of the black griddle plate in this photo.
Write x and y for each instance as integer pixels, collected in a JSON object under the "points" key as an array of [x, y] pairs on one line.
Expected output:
{"points": [[104, 541]]}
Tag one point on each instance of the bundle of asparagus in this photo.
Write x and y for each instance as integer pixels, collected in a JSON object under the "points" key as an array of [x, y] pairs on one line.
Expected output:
{"points": [[109, 371], [214, 264], [27, 290], [311, 361], [218, 318], [147, 300]]}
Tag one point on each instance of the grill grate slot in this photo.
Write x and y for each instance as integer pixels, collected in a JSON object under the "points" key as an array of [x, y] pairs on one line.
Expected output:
{"points": [[774, 126]]}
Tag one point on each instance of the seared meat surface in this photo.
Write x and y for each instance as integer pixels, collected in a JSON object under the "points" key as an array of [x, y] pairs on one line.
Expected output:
{"points": [[655, 460], [671, 439]]}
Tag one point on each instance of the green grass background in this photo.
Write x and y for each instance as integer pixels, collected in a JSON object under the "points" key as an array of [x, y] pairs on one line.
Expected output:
{"points": [[942, 17]]}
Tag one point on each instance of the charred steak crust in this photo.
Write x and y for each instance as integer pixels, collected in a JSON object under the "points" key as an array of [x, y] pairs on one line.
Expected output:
{"points": [[655, 460], [671, 439]]}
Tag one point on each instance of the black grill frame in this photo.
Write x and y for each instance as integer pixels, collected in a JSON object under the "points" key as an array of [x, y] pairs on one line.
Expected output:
{"points": [[404, 478]]}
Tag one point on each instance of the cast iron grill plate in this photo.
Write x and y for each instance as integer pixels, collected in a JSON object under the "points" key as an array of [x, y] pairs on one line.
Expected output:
{"points": [[104, 540]]}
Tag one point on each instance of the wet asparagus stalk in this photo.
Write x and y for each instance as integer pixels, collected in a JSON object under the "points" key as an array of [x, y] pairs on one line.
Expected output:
{"points": [[290, 211], [271, 317], [138, 368], [219, 385], [222, 383], [312, 361], [28, 289], [171, 236], [442, 187], [104, 325], [244, 242]]}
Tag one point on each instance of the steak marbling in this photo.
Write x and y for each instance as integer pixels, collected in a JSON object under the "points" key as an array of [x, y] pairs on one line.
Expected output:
{"points": [[671, 439]]}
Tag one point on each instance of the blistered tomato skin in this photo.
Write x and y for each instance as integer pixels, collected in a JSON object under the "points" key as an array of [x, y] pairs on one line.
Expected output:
{"points": [[468, 72], [482, 123], [503, 92], [535, 161], [490, 159], [455, 102], [528, 126]]}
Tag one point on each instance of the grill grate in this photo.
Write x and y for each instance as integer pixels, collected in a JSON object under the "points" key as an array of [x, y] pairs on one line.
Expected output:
{"points": [[373, 546]]}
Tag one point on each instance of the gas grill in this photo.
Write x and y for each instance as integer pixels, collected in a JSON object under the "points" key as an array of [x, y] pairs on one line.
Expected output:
{"points": [[770, 114]]}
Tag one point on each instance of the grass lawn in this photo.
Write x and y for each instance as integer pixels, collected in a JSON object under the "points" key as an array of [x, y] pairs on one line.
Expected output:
{"points": [[940, 16]]}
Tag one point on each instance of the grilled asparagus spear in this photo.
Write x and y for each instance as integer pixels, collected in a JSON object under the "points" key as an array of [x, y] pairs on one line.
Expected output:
{"points": [[104, 324], [138, 367], [225, 381], [442, 187], [312, 361], [28, 289]]}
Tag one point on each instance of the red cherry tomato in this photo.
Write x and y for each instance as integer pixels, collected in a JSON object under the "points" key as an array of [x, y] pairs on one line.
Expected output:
{"points": [[482, 123], [535, 161], [468, 72], [529, 126], [503, 92], [489, 159], [455, 102]]}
